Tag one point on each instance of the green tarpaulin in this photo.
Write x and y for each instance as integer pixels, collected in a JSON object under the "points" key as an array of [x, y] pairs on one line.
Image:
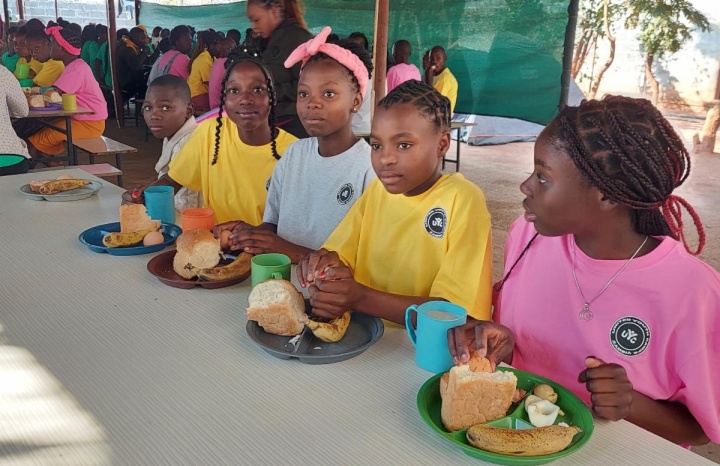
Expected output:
{"points": [[506, 54]]}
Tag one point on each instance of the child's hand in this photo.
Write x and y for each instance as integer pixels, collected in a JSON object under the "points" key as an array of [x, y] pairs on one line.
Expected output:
{"points": [[336, 293], [610, 390], [134, 196], [491, 340], [226, 233], [313, 266], [259, 241]]}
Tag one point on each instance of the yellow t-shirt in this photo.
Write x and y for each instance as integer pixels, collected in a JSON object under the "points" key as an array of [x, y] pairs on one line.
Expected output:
{"points": [[435, 244], [46, 73], [236, 186], [447, 85], [200, 74]]}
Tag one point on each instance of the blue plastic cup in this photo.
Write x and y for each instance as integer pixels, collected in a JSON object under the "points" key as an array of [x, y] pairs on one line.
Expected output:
{"points": [[434, 319], [160, 203]]}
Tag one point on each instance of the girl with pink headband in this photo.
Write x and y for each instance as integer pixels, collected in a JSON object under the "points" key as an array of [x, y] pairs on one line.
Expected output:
{"points": [[318, 178], [77, 79]]}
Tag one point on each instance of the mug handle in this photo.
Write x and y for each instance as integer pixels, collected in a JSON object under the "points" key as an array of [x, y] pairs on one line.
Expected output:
{"points": [[276, 275], [408, 322]]}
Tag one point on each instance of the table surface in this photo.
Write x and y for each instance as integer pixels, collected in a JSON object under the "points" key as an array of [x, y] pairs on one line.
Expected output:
{"points": [[103, 364], [58, 113]]}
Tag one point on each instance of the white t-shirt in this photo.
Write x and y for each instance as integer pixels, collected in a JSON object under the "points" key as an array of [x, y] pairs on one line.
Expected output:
{"points": [[309, 194]]}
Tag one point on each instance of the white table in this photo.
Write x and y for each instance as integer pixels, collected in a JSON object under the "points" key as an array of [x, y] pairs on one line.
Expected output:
{"points": [[101, 363]]}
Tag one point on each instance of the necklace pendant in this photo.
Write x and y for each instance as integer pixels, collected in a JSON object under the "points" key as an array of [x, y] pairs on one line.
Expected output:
{"points": [[586, 314]]}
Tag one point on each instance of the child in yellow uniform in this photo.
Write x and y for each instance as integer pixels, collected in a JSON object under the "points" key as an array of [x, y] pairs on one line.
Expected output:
{"points": [[230, 159], [44, 71], [200, 67], [415, 235], [440, 77]]}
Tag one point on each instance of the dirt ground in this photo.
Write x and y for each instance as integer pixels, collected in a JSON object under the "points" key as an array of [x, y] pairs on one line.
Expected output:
{"points": [[499, 170]]}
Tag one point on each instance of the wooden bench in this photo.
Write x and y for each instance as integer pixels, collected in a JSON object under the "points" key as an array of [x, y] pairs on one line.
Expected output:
{"points": [[101, 170], [104, 146]]}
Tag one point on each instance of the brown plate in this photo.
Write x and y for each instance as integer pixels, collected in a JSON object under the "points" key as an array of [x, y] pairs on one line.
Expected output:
{"points": [[162, 267]]}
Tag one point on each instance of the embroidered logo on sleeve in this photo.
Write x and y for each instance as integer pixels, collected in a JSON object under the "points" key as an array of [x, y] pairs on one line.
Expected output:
{"points": [[436, 222], [346, 193], [630, 336], [267, 184]]}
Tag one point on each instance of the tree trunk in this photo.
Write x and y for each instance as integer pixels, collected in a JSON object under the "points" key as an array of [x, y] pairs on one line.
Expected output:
{"points": [[611, 57], [706, 145], [654, 84], [586, 43]]}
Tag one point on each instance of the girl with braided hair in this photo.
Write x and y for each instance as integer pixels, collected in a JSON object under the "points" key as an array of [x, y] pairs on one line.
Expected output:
{"points": [[601, 292], [319, 178], [78, 79], [230, 158], [415, 235]]}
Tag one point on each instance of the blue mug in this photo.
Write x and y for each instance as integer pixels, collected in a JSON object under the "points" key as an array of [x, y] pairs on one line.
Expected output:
{"points": [[434, 319], [160, 203]]}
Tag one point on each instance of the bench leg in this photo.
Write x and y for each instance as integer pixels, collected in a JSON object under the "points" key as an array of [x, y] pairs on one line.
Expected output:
{"points": [[117, 165]]}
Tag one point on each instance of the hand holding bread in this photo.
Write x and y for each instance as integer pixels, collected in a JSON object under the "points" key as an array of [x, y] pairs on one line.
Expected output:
{"points": [[491, 340]]}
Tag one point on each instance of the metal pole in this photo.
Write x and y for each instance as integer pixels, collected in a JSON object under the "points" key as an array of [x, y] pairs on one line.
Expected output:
{"points": [[112, 48], [380, 41], [6, 9], [137, 12], [56, 10], [20, 10], [569, 47]]}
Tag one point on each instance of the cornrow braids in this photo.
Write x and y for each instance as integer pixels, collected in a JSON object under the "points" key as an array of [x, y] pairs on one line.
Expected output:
{"points": [[356, 49], [72, 37], [425, 98], [630, 153], [245, 55], [292, 9]]}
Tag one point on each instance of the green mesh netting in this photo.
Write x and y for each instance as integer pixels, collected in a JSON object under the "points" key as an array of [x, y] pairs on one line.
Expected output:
{"points": [[505, 54]]}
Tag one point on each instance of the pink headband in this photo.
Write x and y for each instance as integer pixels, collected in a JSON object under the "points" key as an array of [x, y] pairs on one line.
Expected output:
{"points": [[55, 32], [343, 56]]}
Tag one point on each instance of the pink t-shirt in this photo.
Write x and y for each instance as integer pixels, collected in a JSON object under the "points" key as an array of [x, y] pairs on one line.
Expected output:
{"points": [[400, 73], [179, 65], [78, 79], [659, 319], [216, 76]]}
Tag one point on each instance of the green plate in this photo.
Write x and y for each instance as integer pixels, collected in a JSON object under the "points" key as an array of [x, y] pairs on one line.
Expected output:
{"points": [[576, 414]]}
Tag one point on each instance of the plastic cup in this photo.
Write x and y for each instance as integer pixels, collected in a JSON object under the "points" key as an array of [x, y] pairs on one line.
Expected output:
{"points": [[22, 71], [160, 203], [269, 266], [198, 219], [434, 319], [69, 102]]}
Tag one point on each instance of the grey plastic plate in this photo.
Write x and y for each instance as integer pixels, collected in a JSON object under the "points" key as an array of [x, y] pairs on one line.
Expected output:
{"points": [[363, 332], [71, 195]]}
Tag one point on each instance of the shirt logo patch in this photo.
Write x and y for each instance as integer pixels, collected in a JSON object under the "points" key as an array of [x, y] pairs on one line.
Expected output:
{"points": [[630, 336], [346, 193], [436, 222], [267, 184]]}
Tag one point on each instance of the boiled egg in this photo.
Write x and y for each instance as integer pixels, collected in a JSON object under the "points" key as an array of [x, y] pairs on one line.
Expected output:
{"points": [[225, 239], [153, 238]]}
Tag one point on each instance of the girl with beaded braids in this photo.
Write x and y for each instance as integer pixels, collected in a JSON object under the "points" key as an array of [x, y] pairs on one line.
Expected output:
{"points": [[230, 158], [601, 291], [415, 235], [78, 79], [319, 178]]}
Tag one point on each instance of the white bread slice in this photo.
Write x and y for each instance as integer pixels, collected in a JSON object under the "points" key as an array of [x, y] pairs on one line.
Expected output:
{"points": [[134, 217], [278, 307], [470, 398], [196, 250], [36, 101]]}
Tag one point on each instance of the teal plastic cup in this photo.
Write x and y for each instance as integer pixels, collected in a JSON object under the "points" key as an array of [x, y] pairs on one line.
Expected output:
{"points": [[434, 319], [160, 203]]}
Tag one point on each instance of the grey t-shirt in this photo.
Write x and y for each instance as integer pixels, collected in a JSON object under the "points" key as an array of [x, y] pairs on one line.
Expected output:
{"points": [[310, 194]]}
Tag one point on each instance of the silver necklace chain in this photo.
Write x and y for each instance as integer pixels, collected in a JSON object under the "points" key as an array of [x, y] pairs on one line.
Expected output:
{"points": [[586, 314]]}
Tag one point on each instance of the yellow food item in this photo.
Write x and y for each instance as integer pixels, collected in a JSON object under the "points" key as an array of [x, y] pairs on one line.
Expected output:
{"points": [[153, 238], [225, 239], [546, 392], [123, 240], [58, 186], [235, 269], [330, 331], [521, 442]]}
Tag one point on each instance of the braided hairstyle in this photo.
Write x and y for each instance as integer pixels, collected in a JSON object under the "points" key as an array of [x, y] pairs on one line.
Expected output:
{"points": [[425, 98], [243, 55], [630, 153], [292, 9], [72, 37], [204, 41], [354, 48]]}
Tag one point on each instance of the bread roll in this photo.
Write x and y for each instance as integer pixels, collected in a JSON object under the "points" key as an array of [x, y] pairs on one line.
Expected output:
{"points": [[134, 217], [470, 398], [36, 101], [196, 250], [278, 307], [53, 96]]}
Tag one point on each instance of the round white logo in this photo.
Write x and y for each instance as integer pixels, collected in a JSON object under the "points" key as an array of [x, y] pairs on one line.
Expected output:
{"points": [[345, 194], [630, 336], [436, 222], [267, 184]]}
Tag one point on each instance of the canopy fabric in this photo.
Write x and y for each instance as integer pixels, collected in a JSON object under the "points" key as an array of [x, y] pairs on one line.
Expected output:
{"points": [[506, 55]]}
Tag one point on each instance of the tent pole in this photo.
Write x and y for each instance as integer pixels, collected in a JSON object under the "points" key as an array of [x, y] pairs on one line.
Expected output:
{"points": [[380, 41], [6, 10], [137, 12], [20, 10], [569, 48], [56, 10], [112, 48]]}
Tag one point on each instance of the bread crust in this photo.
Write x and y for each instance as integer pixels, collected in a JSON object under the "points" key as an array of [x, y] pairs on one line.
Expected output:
{"points": [[134, 217], [278, 307], [196, 250]]}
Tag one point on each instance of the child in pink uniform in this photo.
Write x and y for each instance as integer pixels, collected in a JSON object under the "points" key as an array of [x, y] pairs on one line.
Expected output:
{"points": [[176, 61], [599, 294]]}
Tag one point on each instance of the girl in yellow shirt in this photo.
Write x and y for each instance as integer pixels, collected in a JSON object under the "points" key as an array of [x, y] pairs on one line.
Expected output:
{"points": [[200, 67]]}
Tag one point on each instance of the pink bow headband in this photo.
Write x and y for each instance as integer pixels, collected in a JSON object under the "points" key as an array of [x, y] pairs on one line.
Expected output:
{"points": [[55, 32], [343, 56]]}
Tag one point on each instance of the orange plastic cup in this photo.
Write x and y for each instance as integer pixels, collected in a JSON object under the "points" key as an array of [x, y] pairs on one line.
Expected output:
{"points": [[198, 219]]}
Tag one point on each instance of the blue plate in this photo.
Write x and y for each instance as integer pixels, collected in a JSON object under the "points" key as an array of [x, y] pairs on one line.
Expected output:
{"points": [[92, 238]]}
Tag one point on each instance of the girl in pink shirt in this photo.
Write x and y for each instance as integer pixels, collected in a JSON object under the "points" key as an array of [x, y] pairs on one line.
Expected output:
{"points": [[176, 61], [601, 292]]}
